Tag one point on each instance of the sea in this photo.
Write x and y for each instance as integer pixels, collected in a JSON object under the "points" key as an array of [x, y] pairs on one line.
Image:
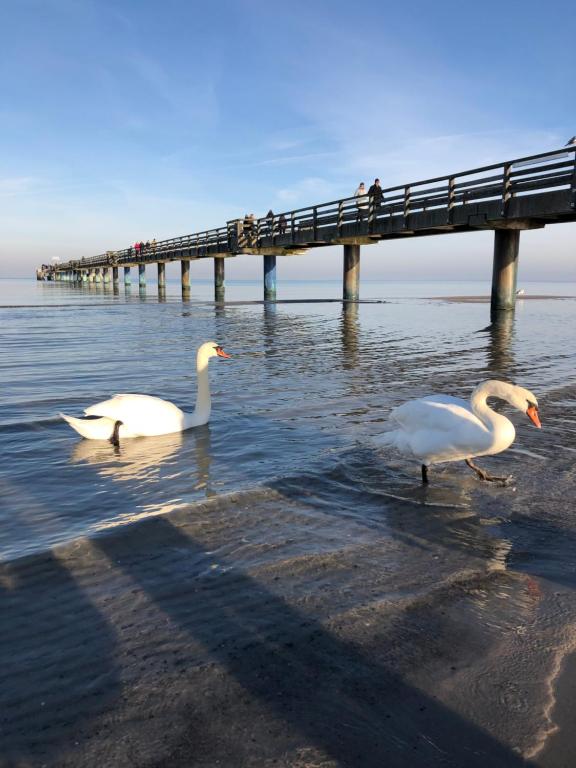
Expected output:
{"points": [[464, 591]]}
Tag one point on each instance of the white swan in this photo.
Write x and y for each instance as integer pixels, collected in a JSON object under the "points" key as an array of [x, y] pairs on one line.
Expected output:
{"points": [[441, 428], [146, 416]]}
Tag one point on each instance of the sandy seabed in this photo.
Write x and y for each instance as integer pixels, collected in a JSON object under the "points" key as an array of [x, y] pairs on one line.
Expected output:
{"points": [[143, 648]]}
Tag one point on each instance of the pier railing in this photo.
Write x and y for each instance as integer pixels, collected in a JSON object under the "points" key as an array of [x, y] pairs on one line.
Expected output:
{"points": [[501, 185]]}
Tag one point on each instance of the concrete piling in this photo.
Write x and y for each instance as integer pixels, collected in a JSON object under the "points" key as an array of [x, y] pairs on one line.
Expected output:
{"points": [[505, 269], [218, 279], [127, 280], [270, 278], [141, 275], [351, 282], [161, 274], [185, 275]]}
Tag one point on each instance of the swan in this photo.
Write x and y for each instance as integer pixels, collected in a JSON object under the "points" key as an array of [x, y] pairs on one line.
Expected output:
{"points": [[441, 428], [146, 416]]}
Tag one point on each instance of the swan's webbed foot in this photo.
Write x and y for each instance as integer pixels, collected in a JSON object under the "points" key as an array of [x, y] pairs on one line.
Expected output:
{"points": [[115, 436], [424, 473], [483, 475]]}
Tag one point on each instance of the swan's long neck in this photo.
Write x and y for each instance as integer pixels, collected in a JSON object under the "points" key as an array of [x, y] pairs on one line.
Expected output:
{"points": [[203, 402], [498, 425]]}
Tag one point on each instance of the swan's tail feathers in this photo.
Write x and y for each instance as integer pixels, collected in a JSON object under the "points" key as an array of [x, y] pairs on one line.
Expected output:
{"points": [[385, 439], [92, 427]]}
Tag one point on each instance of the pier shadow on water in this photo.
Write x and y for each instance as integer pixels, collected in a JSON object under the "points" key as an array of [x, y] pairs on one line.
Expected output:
{"points": [[289, 682], [58, 656], [293, 672]]}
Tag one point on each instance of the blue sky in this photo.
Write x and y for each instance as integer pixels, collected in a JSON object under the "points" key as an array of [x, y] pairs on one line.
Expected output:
{"points": [[126, 119]]}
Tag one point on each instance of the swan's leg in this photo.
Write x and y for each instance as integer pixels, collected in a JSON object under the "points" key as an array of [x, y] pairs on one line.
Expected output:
{"points": [[115, 437], [483, 475], [424, 473]]}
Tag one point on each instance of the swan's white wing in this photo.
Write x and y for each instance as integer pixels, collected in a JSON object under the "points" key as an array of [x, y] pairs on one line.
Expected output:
{"points": [[435, 412], [141, 414], [439, 428]]}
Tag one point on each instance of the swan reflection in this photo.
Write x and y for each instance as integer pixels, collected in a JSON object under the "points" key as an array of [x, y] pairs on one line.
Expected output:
{"points": [[145, 459], [139, 458]]}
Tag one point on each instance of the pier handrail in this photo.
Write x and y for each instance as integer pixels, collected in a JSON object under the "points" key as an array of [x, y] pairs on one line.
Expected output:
{"points": [[543, 171]]}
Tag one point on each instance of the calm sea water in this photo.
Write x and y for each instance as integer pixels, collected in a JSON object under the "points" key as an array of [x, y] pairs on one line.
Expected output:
{"points": [[290, 441], [306, 382]]}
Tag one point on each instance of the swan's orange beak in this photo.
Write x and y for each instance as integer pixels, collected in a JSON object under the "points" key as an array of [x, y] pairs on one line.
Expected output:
{"points": [[532, 414], [220, 352]]}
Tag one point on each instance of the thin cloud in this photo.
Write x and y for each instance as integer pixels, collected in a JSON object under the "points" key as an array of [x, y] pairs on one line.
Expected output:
{"points": [[17, 186], [309, 190]]}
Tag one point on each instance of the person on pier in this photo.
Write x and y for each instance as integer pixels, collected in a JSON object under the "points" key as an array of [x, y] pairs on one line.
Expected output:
{"points": [[375, 193], [361, 201], [270, 221]]}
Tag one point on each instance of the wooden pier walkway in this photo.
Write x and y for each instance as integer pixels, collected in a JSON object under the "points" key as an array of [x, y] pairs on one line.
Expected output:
{"points": [[526, 193]]}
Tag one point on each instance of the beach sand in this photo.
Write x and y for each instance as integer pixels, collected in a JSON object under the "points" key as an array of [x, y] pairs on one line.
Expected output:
{"points": [[141, 647], [486, 299]]}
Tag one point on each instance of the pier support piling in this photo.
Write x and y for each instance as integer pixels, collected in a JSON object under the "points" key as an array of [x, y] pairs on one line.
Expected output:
{"points": [[115, 275], [185, 275], [127, 280], [218, 279], [97, 276], [106, 275], [270, 278], [505, 269], [351, 282], [161, 274], [141, 275]]}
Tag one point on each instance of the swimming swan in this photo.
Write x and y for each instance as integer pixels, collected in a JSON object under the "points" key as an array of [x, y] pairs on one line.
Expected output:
{"points": [[441, 428], [145, 416]]}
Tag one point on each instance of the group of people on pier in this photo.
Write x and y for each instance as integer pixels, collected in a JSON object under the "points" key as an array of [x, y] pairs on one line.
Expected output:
{"points": [[142, 247], [374, 196], [275, 225]]}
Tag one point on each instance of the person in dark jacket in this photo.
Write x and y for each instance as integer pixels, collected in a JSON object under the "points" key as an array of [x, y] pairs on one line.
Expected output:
{"points": [[375, 193]]}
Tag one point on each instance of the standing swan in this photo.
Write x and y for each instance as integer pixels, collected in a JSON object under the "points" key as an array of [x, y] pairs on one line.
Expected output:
{"points": [[441, 428], [145, 416]]}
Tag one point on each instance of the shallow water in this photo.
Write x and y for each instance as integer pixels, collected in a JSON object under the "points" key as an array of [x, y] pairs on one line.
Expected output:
{"points": [[287, 479]]}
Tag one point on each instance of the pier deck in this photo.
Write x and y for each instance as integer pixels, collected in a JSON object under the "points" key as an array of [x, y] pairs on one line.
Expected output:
{"points": [[525, 193]]}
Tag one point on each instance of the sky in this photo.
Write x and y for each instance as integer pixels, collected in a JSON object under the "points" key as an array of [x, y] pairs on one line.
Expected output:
{"points": [[123, 120]]}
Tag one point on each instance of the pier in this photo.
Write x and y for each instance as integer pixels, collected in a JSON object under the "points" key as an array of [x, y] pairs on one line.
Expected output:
{"points": [[526, 193]]}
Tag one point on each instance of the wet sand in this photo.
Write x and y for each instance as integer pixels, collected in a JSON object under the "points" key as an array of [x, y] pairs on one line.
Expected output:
{"points": [[145, 647], [486, 299]]}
